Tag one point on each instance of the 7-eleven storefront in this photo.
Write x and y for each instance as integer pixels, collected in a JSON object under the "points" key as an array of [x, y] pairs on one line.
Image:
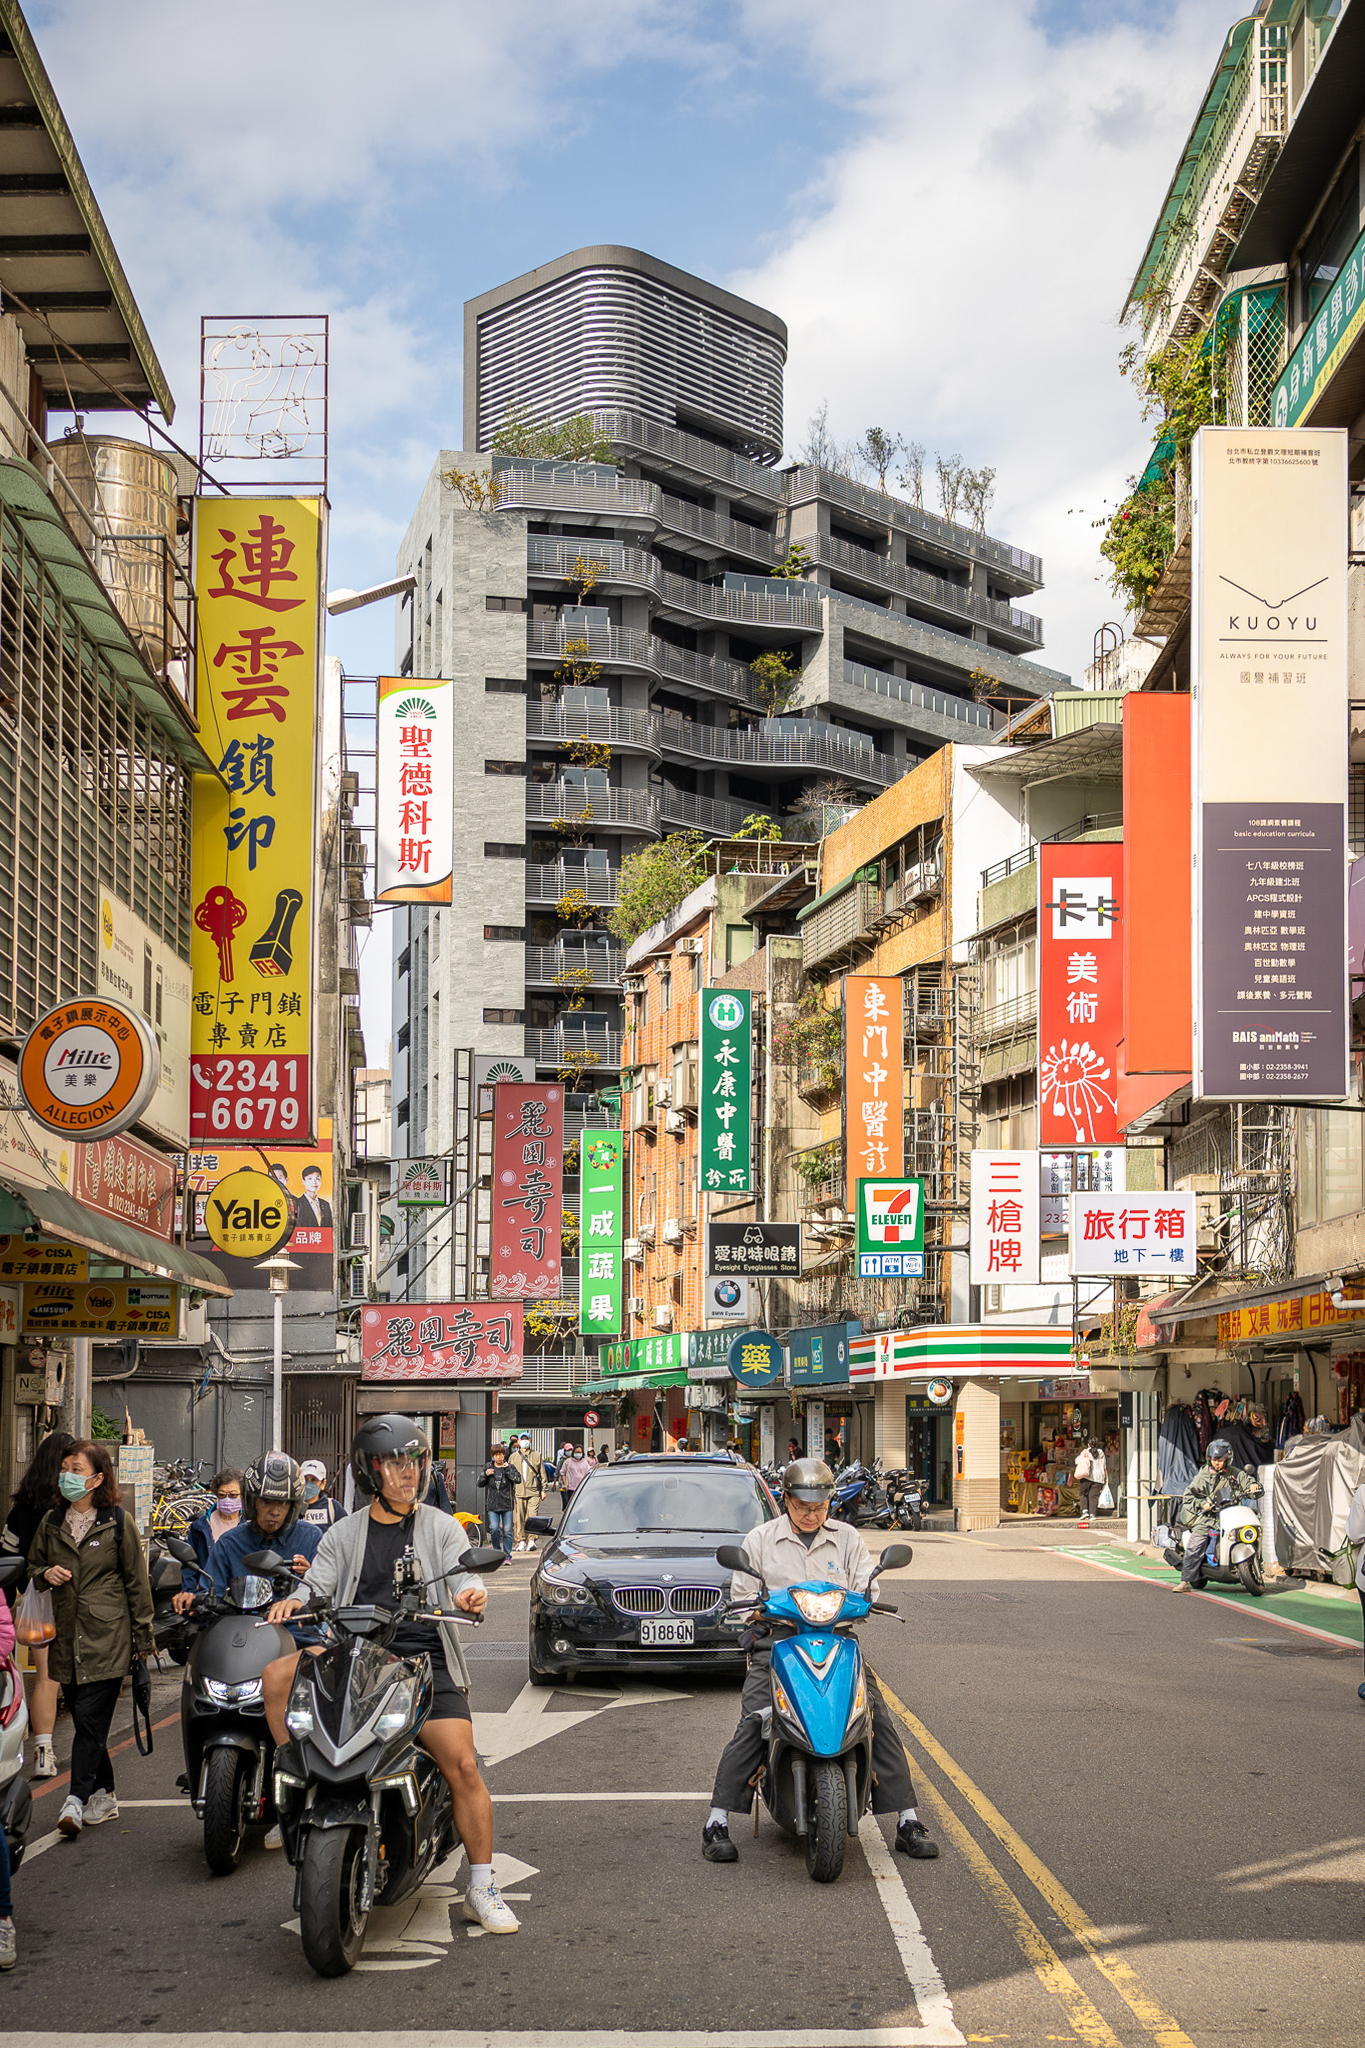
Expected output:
{"points": [[936, 1395]]}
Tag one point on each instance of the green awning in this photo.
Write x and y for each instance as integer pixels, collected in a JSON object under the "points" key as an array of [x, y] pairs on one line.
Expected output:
{"points": [[632, 1382], [63, 1217]]}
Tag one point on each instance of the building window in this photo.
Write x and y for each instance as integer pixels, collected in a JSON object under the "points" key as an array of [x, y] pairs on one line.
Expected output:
{"points": [[504, 1016], [504, 768], [436, 936], [503, 686], [515, 932], [500, 849], [404, 1037], [1331, 1177], [504, 604], [665, 993], [405, 960]]}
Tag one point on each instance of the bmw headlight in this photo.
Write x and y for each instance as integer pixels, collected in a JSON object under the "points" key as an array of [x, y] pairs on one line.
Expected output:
{"points": [[558, 1592], [397, 1711], [820, 1608], [233, 1695]]}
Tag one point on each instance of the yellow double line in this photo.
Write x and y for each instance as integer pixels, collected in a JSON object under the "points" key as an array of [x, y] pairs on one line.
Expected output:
{"points": [[1085, 2017]]}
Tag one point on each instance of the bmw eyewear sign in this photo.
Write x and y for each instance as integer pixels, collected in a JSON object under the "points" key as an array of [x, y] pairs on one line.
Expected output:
{"points": [[89, 1068], [890, 1229]]}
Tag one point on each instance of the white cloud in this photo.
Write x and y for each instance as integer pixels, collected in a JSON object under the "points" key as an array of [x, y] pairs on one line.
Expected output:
{"points": [[956, 270]]}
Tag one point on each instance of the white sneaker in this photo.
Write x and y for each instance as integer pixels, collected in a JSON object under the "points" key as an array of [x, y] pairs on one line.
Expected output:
{"points": [[8, 1954], [44, 1758], [273, 1840], [520, 1547], [485, 1904], [72, 1816], [98, 1807]]}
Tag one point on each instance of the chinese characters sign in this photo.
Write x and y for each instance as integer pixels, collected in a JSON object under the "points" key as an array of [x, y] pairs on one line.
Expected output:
{"points": [[762, 1251], [724, 1140], [1275, 1318], [1270, 764], [1080, 992], [257, 568], [89, 1068], [422, 1183], [1113, 1235], [874, 1120], [416, 761], [1315, 361], [528, 1192], [124, 1179], [443, 1340], [1005, 1219], [890, 1229], [104, 1308], [601, 1234], [304, 1178], [755, 1359]]}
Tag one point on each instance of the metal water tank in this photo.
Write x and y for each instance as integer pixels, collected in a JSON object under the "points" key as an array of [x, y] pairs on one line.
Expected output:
{"points": [[120, 499]]}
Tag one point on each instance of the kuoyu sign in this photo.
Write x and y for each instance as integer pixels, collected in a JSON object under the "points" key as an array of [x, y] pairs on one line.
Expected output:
{"points": [[1270, 764]]}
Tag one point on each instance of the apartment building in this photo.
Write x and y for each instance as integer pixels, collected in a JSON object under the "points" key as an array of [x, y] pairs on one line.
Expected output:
{"points": [[602, 618]]}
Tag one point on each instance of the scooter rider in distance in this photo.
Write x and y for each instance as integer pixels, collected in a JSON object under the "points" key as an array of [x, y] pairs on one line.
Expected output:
{"points": [[1199, 1509], [391, 1463], [799, 1545]]}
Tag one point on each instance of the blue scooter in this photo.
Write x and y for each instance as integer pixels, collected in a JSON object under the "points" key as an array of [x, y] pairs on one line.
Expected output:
{"points": [[817, 1780]]}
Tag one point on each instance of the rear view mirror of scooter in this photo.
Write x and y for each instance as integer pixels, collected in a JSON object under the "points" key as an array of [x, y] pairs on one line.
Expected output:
{"points": [[484, 1560], [895, 1557], [734, 1560], [182, 1552]]}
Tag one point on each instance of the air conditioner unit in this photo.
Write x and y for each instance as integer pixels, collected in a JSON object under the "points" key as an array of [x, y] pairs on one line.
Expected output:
{"points": [[696, 947], [646, 1233], [360, 1231], [924, 879], [663, 1094], [634, 1250], [663, 1316], [673, 1231], [636, 1304], [675, 1122]]}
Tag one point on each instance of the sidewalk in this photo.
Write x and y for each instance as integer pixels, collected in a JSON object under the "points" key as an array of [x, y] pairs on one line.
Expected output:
{"points": [[1331, 1610]]}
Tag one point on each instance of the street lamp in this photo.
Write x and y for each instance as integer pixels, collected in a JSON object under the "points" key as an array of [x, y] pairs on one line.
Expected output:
{"points": [[277, 1270], [352, 600]]}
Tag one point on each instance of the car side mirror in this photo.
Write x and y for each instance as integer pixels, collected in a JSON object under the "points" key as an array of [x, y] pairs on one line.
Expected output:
{"points": [[894, 1557], [734, 1560], [12, 1569], [542, 1524], [484, 1560], [182, 1552]]}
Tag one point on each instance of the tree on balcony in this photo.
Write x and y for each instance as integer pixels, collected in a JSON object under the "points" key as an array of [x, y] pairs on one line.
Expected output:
{"points": [[576, 439], [776, 676], [794, 563], [810, 1042], [654, 882], [1176, 387]]}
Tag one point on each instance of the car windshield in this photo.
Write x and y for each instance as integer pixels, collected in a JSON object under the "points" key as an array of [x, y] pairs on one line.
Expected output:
{"points": [[712, 1501]]}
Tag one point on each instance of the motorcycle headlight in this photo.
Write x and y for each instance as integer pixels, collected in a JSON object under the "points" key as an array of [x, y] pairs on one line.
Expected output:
{"points": [[233, 1695], [1251, 1534], [298, 1715], [397, 1711], [820, 1608]]}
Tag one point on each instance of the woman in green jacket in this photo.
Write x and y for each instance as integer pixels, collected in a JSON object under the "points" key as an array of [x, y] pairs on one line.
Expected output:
{"points": [[89, 1552]]}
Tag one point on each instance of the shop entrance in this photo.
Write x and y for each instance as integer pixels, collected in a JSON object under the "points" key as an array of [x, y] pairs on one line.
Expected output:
{"points": [[926, 1449]]}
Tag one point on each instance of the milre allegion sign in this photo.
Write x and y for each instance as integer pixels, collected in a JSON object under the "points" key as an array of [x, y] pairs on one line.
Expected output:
{"points": [[1270, 764]]}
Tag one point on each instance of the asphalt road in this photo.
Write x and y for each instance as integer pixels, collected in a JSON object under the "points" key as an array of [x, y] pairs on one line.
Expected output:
{"points": [[1149, 1809]]}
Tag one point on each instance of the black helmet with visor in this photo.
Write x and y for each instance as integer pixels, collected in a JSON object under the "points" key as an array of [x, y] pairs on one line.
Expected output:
{"points": [[395, 1438]]}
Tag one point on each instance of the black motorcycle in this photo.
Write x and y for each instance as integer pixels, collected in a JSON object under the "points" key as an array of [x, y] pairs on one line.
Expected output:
{"points": [[228, 1747], [905, 1496], [364, 1811], [859, 1497]]}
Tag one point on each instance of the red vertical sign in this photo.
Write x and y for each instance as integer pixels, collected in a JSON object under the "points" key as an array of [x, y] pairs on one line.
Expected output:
{"points": [[528, 1192], [1080, 992]]}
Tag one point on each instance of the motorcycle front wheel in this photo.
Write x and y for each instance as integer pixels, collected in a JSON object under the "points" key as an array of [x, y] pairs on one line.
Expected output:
{"points": [[225, 1791], [1249, 1572], [827, 1822], [330, 1917]]}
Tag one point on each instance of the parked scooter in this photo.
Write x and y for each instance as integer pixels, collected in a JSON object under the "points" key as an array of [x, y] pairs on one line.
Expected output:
{"points": [[817, 1780], [905, 1496], [365, 1813], [16, 1799], [1233, 1557], [229, 1749], [860, 1498]]}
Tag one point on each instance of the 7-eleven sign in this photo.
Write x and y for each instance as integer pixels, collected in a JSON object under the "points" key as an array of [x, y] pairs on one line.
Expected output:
{"points": [[890, 1229]]}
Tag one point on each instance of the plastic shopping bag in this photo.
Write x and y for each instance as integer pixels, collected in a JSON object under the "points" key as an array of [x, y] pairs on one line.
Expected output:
{"points": [[1107, 1499], [33, 1622]]}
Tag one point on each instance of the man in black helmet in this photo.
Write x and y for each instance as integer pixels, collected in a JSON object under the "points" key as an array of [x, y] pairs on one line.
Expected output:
{"points": [[1215, 1485], [272, 1502], [799, 1545], [355, 1565]]}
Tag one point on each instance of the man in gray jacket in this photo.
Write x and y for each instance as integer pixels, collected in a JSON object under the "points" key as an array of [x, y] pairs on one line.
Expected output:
{"points": [[355, 1565]]}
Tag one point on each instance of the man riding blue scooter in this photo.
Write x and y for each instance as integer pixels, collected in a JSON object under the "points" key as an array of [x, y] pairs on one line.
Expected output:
{"points": [[798, 1546]]}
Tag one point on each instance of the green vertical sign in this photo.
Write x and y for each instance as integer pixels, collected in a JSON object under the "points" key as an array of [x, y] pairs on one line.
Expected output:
{"points": [[726, 1082], [601, 1234]]}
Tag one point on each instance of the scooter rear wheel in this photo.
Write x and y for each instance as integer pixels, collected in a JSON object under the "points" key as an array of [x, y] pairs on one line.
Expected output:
{"points": [[330, 1918], [826, 1822], [225, 1810]]}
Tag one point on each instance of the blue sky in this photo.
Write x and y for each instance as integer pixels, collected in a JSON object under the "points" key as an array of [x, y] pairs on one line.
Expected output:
{"points": [[946, 205]]}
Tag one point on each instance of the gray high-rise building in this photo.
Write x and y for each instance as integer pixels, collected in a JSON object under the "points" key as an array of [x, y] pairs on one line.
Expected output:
{"points": [[619, 604]]}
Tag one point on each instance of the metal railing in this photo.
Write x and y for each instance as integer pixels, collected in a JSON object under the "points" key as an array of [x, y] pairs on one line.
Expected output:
{"points": [[552, 1372], [964, 709], [1010, 1015], [837, 927], [565, 721], [927, 589], [634, 498], [1110, 822], [558, 963], [1000, 870], [788, 604], [807, 482], [554, 1046], [627, 647], [547, 800], [633, 430], [550, 881], [705, 813], [829, 748], [614, 561]]}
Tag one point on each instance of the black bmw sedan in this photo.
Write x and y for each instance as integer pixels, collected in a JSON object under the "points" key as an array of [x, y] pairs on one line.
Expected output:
{"points": [[630, 1581]]}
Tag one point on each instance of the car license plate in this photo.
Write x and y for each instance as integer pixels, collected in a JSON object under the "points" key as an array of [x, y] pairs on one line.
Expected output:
{"points": [[665, 1634]]}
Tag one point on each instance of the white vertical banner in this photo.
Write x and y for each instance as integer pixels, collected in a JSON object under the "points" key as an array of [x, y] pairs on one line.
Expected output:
{"points": [[1006, 1219], [414, 773]]}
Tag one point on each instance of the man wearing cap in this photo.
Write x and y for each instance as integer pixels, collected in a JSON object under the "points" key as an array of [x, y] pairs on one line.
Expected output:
{"points": [[318, 1506], [532, 1486]]}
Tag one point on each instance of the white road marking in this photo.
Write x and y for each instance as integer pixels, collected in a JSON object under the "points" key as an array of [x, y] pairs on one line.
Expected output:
{"points": [[41, 1846], [926, 1979], [573, 1798], [526, 1723], [419, 1932]]}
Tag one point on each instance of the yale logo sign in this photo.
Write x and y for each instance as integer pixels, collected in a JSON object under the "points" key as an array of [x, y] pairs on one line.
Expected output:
{"points": [[248, 1215]]}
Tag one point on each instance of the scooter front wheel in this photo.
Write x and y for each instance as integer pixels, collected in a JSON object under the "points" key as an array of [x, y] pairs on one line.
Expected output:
{"points": [[826, 1822], [225, 1791], [331, 1919], [1249, 1572]]}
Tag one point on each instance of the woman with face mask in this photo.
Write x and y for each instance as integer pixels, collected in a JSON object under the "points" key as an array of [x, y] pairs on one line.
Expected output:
{"points": [[35, 1496], [88, 1552], [225, 1514]]}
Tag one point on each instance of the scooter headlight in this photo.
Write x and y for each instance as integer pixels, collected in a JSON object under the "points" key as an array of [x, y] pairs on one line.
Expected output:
{"points": [[298, 1715], [397, 1711], [820, 1608], [1250, 1534], [233, 1695]]}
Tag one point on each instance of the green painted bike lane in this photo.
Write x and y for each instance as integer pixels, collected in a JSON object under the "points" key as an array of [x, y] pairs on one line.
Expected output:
{"points": [[1340, 1619]]}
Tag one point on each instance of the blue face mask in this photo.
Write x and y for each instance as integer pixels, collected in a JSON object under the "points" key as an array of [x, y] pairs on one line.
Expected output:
{"points": [[311, 1489], [72, 1485]]}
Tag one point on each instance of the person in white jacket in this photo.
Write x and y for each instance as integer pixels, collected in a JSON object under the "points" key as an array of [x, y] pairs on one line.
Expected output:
{"points": [[1355, 1532], [1092, 1476]]}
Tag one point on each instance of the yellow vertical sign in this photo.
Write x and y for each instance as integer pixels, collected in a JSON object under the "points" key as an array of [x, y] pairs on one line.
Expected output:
{"points": [[258, 564]]}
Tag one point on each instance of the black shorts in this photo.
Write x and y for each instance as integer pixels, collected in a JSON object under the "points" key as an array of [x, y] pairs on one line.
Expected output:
{"points": [[448, 1701]]}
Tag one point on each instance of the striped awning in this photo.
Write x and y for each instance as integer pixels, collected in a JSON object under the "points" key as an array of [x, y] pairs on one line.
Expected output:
{"points": [[960, 1351]]}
